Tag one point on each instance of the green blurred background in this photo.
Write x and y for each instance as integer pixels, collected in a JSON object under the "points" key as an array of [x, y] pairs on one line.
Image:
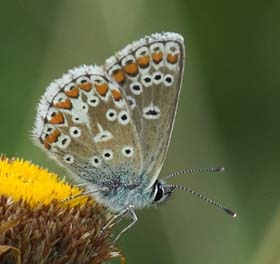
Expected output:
{"points": [[227, 116]]}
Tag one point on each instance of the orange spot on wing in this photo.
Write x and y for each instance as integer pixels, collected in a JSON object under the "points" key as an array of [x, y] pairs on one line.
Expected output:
{"points": [[64, 104], [102, 89], [131, 69], [51, 138], [86, 86], [73, 93], [157, 57], [57, 118], [116, 94], [143, 61], [172, 58], [118, 75]]}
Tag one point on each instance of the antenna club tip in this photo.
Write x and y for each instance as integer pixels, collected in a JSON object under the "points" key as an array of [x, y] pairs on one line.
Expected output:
{"points": [[222, 169], [231, 213], [235, 215]]}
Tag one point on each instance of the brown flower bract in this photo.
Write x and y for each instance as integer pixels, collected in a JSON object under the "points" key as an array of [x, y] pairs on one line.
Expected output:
{"points": [[55, 234]]}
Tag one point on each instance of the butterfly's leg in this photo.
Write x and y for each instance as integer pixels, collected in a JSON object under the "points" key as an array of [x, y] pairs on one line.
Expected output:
{"points": [[115, 217], [80, 185], [117, 254], [82, 194], [112, 221], [134, 220]]}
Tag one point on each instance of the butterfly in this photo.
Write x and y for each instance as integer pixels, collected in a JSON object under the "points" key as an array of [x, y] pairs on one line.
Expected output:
{"points": [[110, 125]]}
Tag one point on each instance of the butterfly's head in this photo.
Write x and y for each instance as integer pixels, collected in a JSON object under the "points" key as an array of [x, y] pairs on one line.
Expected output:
{"points": [[161, 191]]}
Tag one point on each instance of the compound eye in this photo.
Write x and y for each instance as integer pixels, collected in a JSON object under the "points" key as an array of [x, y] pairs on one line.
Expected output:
{"points": [[159, 193]]}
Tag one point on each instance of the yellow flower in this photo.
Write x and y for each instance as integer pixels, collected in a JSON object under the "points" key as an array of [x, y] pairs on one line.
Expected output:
{"points": [[37, 227], [23, 180]]}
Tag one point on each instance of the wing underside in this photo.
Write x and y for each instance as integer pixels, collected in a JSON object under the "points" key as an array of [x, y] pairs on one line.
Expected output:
{"points": [[102, 122]]}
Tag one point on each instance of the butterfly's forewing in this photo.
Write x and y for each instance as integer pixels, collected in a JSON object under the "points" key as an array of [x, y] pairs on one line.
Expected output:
{"points": [[84, 123], [149, 72]]}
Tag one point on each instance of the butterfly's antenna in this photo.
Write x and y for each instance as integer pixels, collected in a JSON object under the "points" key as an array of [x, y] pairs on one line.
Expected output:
{"points": [[228, 211], [176, 173]]}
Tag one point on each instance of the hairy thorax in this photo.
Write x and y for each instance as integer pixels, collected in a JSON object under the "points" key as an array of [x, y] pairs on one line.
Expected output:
{"points": [[123, 192]]}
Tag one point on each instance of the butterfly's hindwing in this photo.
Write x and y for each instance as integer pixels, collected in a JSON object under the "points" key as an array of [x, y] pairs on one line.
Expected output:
{"points": [[84, 122]]}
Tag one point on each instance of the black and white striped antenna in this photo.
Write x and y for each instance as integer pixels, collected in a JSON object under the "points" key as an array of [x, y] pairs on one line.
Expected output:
{"points": [[189, 171], [208, 200]]}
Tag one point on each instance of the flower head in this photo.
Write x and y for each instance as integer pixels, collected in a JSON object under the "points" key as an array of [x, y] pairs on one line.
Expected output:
{"points": [[36, 227]]}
